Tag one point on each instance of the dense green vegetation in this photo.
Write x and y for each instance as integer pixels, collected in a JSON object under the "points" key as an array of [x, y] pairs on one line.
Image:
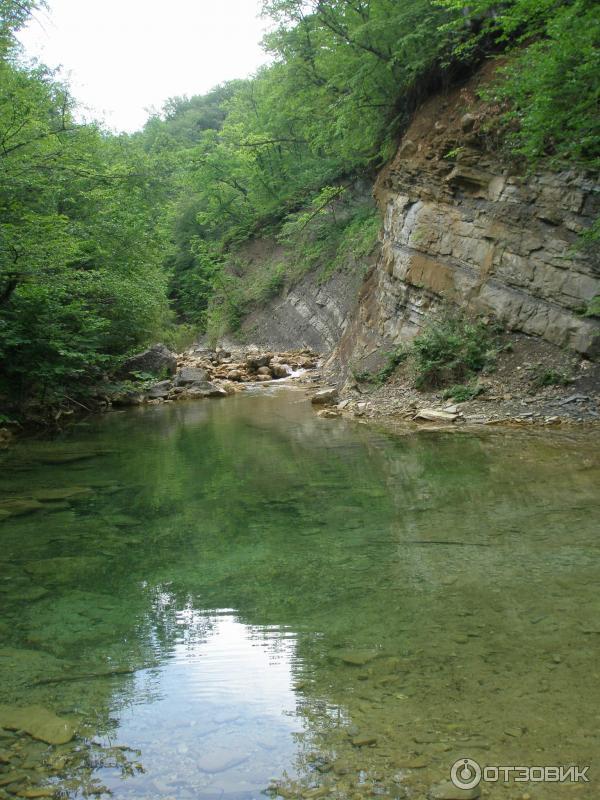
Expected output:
{"points": [[104, 237]]}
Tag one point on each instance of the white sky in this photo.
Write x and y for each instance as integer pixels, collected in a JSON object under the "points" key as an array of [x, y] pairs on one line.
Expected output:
{"points": [[125, 56]]}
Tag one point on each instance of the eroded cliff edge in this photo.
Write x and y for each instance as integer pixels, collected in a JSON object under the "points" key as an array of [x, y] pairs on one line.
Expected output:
{"points": [[461, 224]]}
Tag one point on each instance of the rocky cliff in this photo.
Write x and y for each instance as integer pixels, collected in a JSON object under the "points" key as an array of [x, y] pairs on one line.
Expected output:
{"points": [[461, 224]]}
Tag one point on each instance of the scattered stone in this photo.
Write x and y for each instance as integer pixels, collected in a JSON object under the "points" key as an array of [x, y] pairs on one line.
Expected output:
{"points": [[355, 658], [12, 778], [448, 791], [325, 397], [433, 415], [364, 740], [219, 760], [574, 398], [514, 732], [414, 762], [467, 122], [191, 376], [38, 722], [451, 409]]}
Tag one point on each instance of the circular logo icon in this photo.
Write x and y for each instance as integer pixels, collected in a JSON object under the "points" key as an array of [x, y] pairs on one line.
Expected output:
{"points": [[465, 773]]}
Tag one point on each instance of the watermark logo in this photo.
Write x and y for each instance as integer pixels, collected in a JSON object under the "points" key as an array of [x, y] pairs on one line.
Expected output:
{"points": [[467, 773]]}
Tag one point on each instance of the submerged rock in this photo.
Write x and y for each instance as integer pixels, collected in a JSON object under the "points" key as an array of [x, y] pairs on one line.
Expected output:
{"points": [[19, 506], [355, 658], [448, 791], [38, 722], [364, 740], [65, 493]]}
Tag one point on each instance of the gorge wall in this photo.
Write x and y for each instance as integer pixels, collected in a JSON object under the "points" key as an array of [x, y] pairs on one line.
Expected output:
{"points": [[459, 225]]}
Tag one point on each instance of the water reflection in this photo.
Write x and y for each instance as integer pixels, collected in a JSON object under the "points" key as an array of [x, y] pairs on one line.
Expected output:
{"points": [[240, 590], [220, 710]]}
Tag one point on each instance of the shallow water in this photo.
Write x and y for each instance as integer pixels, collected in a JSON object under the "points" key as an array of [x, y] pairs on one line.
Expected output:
{"points": [[246, 596]]}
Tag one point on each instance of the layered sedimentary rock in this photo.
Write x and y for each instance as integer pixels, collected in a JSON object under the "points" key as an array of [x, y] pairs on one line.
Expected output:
{"points": [[460, 224]]}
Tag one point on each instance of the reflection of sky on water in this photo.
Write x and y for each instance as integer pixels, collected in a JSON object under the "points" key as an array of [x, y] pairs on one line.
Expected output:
{"points": [[218, 715]]}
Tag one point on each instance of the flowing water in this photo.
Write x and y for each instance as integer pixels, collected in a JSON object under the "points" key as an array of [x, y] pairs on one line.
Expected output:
{"points": [[228, 597]]}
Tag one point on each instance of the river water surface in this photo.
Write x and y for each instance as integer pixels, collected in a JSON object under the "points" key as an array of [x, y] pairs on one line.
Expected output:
{"points": [[228, 597]]}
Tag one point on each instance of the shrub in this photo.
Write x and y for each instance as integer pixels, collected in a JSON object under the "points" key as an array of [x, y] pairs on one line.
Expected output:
{"points": [[550, 377], [450, 349], [463, 392], [394, 359]]}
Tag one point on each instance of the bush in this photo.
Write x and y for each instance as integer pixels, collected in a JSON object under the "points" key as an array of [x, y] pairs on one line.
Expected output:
{"points": [[394, 359], [550, 377], [450, 349], [463, 392]]}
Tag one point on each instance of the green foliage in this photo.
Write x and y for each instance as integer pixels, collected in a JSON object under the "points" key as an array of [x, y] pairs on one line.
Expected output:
{"points": [[462, 392], [593, 307], [393, 361], [551, 86], [80, 239], [450, 349], [548, 376]]}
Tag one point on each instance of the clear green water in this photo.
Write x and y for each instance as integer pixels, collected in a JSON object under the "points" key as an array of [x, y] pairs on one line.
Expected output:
{"points": [[240, 591]]}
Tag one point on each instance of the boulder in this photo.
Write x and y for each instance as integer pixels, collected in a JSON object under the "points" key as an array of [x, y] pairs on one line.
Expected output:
{"points": [[281, 370], [156, 360], [190, 376], [325, 397], [264, 371], [126, 399], [256, 360], [204, 389], [159, 391], [234, 375]]}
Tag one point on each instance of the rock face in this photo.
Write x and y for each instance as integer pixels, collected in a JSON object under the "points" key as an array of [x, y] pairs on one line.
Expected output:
{"points": [[312, 314], [461, 225], [158, 360]]}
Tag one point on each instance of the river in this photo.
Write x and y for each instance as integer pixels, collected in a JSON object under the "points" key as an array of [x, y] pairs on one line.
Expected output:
{"points": [[226, 597]]}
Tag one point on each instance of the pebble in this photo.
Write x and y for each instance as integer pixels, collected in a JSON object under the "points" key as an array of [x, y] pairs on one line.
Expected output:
{"points": [[364, 740], [448, 791]]}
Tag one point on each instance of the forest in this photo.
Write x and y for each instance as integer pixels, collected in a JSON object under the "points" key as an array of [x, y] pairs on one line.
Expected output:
{"points": [[112, 241]]}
